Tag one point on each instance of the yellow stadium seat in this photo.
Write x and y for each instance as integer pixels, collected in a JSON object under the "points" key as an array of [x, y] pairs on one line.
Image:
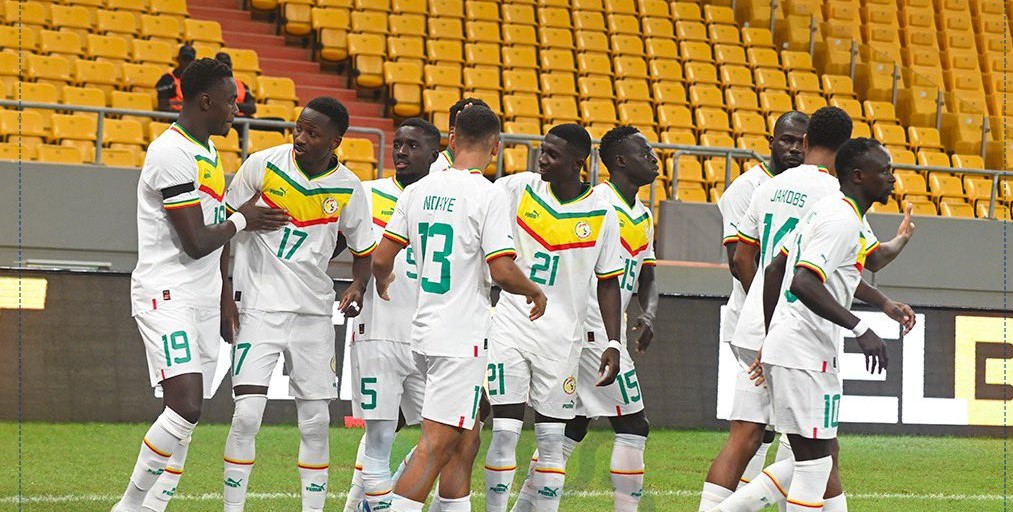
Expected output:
{"points": [[153, 52], [978, 188], [53, 70], [714, 171], [130, 100], [447, 9], [513, 13], [891, 206], [946, 188], [695, 51], [967, 161], [728, 54], [18, 39], [851, 106], [556, 60], [549, 17], [837, 86], [123, 134], [524, 81], [200, 31], [1001, 212], [161, 28], [661, 48], [410, 48], [591, 21], [558, 84], [678, 137], [136, 77], [519, 57], [60, 43], [741, 99], [595, 87], [631, 67], [368, 52], [880, 15], [933, 159], [366, 5], [523, 109], [170, 7], [658, 28], [809, 103], [276, 90], [691, 194], [620, 7], [769, 79], [718, 14], [400, 24], [261, 140], [880, 112], [753, 37], [842, 19], [763, 58], [669, 93], [902, 156], [756, 143], [275, 111], [298, 19], [623, 24], [637, 113], [436, 103], [706, 95], [452, 28], [736, 77], [916, 106], [442, 51], [515, 159], [331, 26], [700, 73], [890, 135], [84, 96], [556, 39], [910, 184], [962, 210], [748, 123], [592, 42], [518, 35], [71, 18], [686, 11], [120, 158], [663, 70], [593, 64], [487, 79], [627, 45], [598, 112], [443, 77], [522, 128], [405, 81], [227, 144], [723, 34], [27, 13], [675, 117], [861, 129], [710, 119], [357, 150], [775, 102], [803, 82], [121, 23], [73, 128], [875, 80], [107, 48], [155, 128], [921, 206], [924, 139], [51, 153], [687, 172], [132, 6], [559, 110], [653, 8], [9, 71], [633, 90]]}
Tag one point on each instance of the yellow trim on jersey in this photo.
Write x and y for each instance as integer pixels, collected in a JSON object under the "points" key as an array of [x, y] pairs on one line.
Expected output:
{"points": [[211, 176], [383, 207], [396, 238], [558, 231], [729, 239], [747, 239], [500, 253], [182, 204], [365, 252], [307, 207], [609, 275], [814, 267], [633, 232], [650, 262]]}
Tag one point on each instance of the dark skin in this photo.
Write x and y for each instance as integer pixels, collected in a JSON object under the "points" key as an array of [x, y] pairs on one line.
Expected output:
{"points": [[209, 113], [314, 140], [181, 64], [560, 165], [446, 451]]}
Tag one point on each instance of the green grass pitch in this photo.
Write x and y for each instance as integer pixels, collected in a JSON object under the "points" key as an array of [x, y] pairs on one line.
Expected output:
{"points": [[83, 467]]}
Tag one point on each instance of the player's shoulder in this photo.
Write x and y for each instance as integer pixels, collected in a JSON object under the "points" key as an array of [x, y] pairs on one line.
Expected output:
{"points": [[170, 148], [382, 185], [838, 210]]}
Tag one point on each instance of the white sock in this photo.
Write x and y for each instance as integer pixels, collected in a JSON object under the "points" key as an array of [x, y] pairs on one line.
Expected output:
{"points": [[550, 471], [241, 449], [501, 463], [712, 496], [376, 478], [838, 503], [160, 441], [403, 465], [755, 465], [808, 484], [314, 452], [783, 453], [627, 471], [356, 492], [764, 490], [165, 488], [452, 504], [402, 504], [528, 495]]}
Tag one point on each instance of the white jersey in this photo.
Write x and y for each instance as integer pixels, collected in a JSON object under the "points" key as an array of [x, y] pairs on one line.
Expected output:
{"points": [[165, 276], [636, 236], [831, 242], [443, 161], [733, 205], [456, 221], [561, 246], [380, 319], [773, 214], [286, 270]]}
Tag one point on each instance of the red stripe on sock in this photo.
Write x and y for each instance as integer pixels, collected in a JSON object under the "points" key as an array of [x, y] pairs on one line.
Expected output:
{"points": [[173, 471], [806, 505]]}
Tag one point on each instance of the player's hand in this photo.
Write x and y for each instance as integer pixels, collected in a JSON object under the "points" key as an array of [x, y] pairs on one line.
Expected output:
{"points": [[645, 325], [351, 301], [539, 301], [259, 218], [902, 313], [875, 351], [383, 286], [756, 371], [229, 321], [609, 368], [907, 227]]}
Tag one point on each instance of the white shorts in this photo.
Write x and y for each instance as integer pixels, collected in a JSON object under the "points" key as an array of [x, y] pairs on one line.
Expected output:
{"points": [[517, 376], [179, 341], [307, 342], [750, 402], [804, 402], [453, 388], [385, 380], [621, 398]]}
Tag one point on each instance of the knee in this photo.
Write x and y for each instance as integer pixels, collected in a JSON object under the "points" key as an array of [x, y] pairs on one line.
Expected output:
{"points": [[505, 434], [248, 415], [379, 433], [636, 425], [747, 435], [188, 409], [576, 429], [314, 418]]}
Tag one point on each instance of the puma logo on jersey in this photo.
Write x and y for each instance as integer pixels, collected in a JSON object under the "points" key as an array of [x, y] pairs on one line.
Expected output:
{"points": [[280, 192], [531, 215], [317, 488]]}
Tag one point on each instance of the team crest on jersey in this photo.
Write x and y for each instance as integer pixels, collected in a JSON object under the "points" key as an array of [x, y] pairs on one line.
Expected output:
{"points": [[334, 365], [570, 385], [582, 230], [330, 205]]}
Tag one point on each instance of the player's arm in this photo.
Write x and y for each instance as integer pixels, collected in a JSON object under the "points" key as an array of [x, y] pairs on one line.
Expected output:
{"points": [[199, 239], [339, 246], [772, 279], [383, 264], [647, 297], [607, 269], [901, 313], [508, 276], [733, 206], [730, 246], [230, 313], [884, 253], [744, 262], [357, 225]]}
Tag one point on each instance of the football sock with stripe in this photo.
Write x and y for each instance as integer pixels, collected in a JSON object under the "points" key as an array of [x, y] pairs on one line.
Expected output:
{"points": [[755, 465], [376, 477], [526, 498], [241, 449], [712, 496], [356, 492], [627, 471], [402, 504], [314, 452], [808, 484], [838, 503], [453, 504], [764, 490], [165, 488], [550, 471], [501, 463], [160, 441]]}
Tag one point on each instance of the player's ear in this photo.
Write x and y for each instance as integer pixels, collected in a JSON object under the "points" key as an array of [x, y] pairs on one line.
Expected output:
{"points": [[494, 139], [805, 143], [335, 143], [452, 140]]}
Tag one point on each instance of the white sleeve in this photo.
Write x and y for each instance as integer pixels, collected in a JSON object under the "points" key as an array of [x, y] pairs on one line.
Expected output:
{"points": [[828, 243], [397, 227], [871, 242], [356, 222], [497, 237], [248, 181], [172, 171], [733, 205], [748, 227], [649, 257], [610, 261]]}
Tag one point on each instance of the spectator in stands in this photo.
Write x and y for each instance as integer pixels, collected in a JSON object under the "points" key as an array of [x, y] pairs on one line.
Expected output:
{"points": [[245, 100], [170, 95]]}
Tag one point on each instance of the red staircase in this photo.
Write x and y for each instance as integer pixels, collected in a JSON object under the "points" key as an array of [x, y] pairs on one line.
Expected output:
{"points": [[240, 30]]}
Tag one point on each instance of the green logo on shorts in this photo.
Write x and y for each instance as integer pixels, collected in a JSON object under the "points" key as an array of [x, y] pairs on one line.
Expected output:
{"points": [[317, 487], [499, 489], [549, 492]]}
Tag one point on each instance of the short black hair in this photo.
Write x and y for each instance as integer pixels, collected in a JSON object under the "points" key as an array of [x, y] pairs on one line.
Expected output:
{"points": [[575, 136], [225, 58], [792, 116], [456, 108], [429, 129], [850, 156], [201, 75], [609, 146], [333, 109], [829, 127], [476, 123]]}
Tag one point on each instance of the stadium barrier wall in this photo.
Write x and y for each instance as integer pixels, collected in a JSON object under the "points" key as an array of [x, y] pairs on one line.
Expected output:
{"points": [[81, 360]]}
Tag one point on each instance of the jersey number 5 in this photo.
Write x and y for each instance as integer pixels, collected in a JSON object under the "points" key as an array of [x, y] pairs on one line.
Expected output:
{"points": [[429, 231]]}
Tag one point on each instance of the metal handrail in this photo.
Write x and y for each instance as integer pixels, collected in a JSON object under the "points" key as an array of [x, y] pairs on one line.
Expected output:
{"points": [[244, 122]]}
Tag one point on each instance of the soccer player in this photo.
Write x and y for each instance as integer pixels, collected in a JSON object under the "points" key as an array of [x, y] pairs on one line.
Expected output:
{"points": [[801, 349], [385, 378], [446, 157], [632, 164], [459, 225], [177, 288], [285, 297], [566, 233]]}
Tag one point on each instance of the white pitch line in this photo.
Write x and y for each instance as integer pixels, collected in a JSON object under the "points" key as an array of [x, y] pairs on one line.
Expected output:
{"points": [[81, 498]]}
